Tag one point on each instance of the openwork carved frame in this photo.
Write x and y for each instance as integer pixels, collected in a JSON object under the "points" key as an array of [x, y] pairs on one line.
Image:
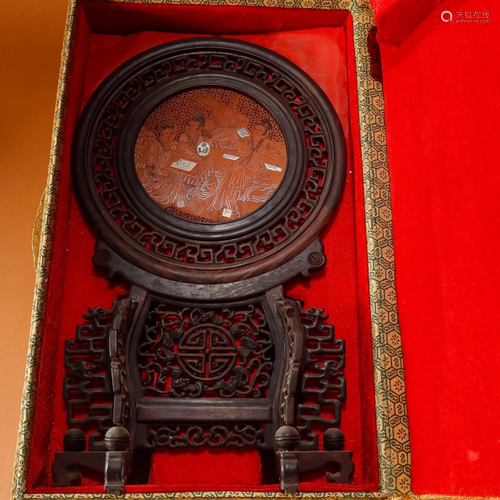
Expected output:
{"points": [[394, 456], [173, 338], [150, 237]]}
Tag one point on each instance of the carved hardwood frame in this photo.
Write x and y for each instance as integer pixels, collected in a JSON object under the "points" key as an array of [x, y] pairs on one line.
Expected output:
{"points": [[157, 242], [182, 380], [392, 425]]}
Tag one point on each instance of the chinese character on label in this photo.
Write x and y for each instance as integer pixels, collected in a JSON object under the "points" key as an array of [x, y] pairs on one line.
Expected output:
{"points": [[460, 15], [486, 15], [477, 15], [227, 212], [468, 15]]}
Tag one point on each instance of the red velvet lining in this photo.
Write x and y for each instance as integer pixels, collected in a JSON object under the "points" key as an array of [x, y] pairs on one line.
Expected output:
{"points": [[341, 289], [396, 19], [442, 107]]}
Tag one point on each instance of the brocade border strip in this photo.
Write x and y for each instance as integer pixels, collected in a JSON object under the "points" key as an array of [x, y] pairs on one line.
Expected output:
{"points": [[233, 495], [43, 237], [393, 435], [390, 400]]}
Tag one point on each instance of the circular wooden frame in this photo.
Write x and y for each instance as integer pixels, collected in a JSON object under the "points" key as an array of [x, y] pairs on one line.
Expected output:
{"points": [[153, 239], [192, 230]]}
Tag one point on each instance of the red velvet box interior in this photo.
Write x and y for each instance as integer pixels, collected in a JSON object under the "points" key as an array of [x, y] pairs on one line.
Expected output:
{"points": [[321, 43]]}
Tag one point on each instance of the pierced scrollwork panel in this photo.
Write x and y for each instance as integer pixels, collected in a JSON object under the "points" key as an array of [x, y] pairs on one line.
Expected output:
{"points": [[314, 384], [323, 385], [199, 352], [215, 436], [87, 384]]}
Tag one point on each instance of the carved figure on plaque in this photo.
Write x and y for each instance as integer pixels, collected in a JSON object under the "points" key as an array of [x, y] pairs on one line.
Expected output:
{"points": [[223, 163]]}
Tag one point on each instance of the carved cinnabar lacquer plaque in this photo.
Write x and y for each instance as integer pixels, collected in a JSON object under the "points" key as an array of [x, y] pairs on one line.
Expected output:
{"points": [[207, 168], [210, 155]]}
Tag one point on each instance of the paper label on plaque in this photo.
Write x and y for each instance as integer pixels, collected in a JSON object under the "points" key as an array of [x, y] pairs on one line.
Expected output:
{"points": [[185, 165], [227, 212], [242, 132], [227, 156], [273, 167]]}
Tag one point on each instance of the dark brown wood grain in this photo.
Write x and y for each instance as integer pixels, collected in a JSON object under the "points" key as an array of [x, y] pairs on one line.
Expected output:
{"points": [[167, 242]]}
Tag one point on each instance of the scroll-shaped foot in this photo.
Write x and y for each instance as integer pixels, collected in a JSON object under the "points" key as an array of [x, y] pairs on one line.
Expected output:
{"points": [[287, 440], [333, 442], [118, 459], [346, 467], [310, 461], [69, 465], [292, 463]]}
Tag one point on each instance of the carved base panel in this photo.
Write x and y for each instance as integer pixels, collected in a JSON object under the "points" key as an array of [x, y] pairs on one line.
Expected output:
{"points": [[214, 436], [180, 375]]}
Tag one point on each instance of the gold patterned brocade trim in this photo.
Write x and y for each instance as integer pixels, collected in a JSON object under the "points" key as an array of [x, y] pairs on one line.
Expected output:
{"points": [[43, 236]]}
